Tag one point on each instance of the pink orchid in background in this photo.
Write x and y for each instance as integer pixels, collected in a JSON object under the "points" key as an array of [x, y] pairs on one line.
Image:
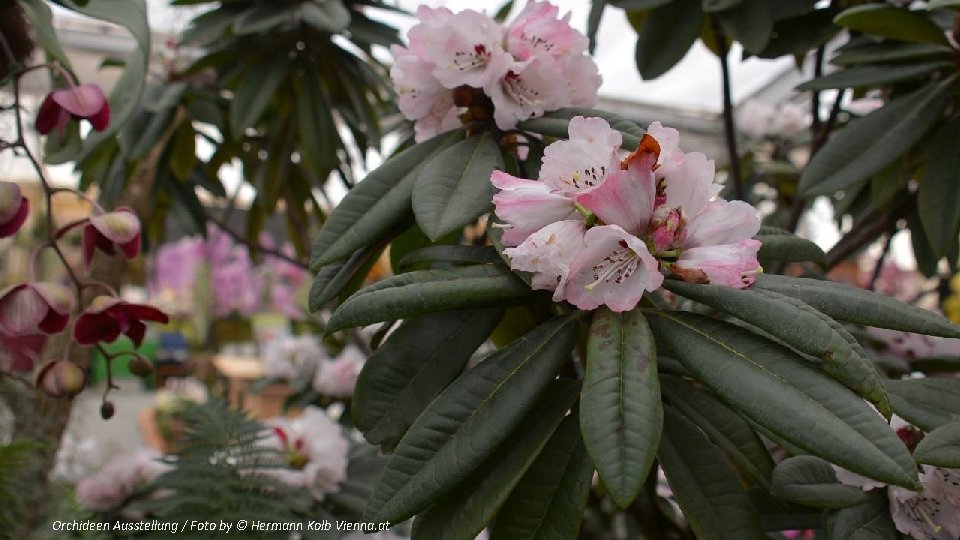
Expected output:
{"points": [[20, 353], [111, 230], [598, 230], [28, 307], [535, 64], [14, 208], [314, 448], [107, 317], [86, 101]]}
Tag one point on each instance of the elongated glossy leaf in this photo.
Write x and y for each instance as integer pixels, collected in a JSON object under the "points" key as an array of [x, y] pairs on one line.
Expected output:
{"points": [[891, 22], [872, 75], [706, 487], [890, 52], [426, 291], [412, 367], [549, 501], [621, 413], [811, 481], [876, 139], [867, 521], [376, 205], [41, 22], [464, 511], [749, 21], [800, 326], [666, 36], [926, 403], [328, 16], [941, 447], [183, 151], [469, 420], [471, 254], [781, 392], [256, 88], [936, 4], [334, 277], [938, 200], [720, 5], [453, 188], [316, 128], [724, 427], [554, 124], [263, 18], [851, 304], [782, 246], [796, 34]]}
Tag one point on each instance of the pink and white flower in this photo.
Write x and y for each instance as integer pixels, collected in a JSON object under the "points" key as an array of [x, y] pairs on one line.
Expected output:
{"points": [[28, 307], [548, 253], [527, 206], [86, 101], [585, 159], [314, 448], [14, 208], [337, 378], [538, 31], [117, 229], [464, 47]]}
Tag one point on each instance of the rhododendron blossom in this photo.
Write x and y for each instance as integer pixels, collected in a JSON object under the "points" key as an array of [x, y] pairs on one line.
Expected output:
{"points": [[598, 230], [533, 65], [315, 450]]}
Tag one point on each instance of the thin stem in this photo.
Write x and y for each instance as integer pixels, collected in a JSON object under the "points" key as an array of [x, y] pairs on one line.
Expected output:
{"points": [[256, 247], [728, 124], [880, 260]]}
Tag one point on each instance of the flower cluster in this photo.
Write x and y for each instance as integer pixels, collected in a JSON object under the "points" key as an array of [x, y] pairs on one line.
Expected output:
{"points": [[929, 514], [304, 357], [315, 450], [458, 65], [598, 230]]}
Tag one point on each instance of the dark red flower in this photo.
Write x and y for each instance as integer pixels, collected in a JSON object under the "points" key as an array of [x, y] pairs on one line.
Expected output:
{"points": [[85, 101], [14, 208], [107, 317], [20, 353], [28, 307], [106, 232]]}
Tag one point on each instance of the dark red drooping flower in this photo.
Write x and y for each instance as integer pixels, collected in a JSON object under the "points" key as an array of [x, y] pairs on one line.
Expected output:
{"points": [[86, 101], [112, 230], [20, 353], [107, 317], [14, 208], [28, 307]]}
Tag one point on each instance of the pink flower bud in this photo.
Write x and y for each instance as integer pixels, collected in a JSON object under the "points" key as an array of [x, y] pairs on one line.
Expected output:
{"points": [[14, 208], [61, 379], [85, 101], [107, 317], [106, 232], [28, 307]]}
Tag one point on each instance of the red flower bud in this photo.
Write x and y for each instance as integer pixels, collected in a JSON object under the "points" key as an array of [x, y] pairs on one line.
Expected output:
{"points": [[105, 232], [61, 379]]}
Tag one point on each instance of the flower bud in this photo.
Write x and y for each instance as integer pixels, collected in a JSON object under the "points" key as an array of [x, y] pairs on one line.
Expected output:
{"points": [[61, 379], [140, 366], [106, 410]]}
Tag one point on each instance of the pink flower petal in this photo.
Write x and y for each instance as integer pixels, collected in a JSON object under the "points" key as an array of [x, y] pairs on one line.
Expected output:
{"points": [[614, 269], [527, 206], [733, 265], [83, 101], [120, 226], [583, 161], [51, 116], [625, 198], [548, 253], [21, 309], [10, 226], [722, 222]]}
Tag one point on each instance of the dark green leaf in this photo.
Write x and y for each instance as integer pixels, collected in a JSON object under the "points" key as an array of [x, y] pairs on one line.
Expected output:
{"points": [[621, 413], [851, 304], [263, 18], [666, 36], [938, 199], [426, 291], [720, 5], [891, 52], [637, 5], [704, 484], [469, 420], [937, 4], [796, 401], [412, 367], [316, 127], [549, 501], [782, 246], [593, 22], [470, 254], [256, 88], [811, 481], [183, 151], [464, 511], [748, 21], [940, 447], [891, 22], [725, 428], [799, 34], [376, 205], [926, 403], [329, 16], [873, 75], [333, 278], [41, 22], [453, 189], [867, 521], [927, 261], [554, 124], [876, 139], [800, 326]]}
